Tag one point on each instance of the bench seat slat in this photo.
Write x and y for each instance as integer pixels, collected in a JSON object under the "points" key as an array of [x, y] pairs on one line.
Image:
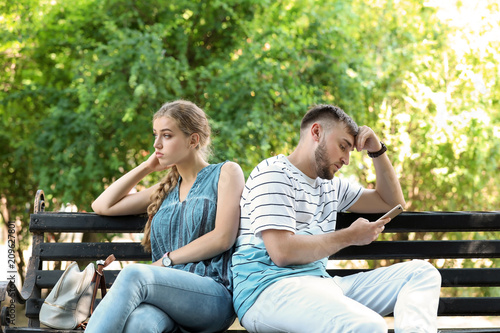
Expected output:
{"points": [[50, 330], [442, 330]]}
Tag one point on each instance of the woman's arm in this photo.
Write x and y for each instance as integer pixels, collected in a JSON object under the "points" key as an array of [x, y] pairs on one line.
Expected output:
{"points": [[117, 200], [227, 221]]}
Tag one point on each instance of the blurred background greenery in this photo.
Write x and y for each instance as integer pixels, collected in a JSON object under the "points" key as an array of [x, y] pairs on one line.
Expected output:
{"points": [[80, 81]]}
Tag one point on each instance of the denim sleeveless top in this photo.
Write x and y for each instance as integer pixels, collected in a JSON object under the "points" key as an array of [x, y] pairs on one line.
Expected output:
{"points": [[178, 223]]}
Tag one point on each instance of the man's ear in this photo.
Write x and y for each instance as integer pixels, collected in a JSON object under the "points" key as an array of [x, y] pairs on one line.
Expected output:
{"points": [[194, 141], [316, 131]]}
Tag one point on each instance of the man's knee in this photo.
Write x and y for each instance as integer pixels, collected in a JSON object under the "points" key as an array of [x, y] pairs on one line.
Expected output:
{"points": [[427, 270], [372, 324]]}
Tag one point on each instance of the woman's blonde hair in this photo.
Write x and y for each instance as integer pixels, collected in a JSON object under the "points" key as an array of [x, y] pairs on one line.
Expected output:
{"points": [[190, 119]]}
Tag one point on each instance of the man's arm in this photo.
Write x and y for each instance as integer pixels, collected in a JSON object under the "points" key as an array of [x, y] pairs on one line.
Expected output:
{"points": [[286, 248], [387, 192]]}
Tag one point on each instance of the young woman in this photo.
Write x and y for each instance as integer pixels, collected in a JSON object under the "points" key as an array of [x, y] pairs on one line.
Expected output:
{"points": [[189, 284]]}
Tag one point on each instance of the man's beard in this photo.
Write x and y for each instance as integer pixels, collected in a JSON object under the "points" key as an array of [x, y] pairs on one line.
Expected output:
{"points": [[323, 169]]}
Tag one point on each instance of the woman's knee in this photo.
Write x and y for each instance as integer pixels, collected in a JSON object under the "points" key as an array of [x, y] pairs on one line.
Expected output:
{"points": [[149, 319], [133, 274], [133, 271]]}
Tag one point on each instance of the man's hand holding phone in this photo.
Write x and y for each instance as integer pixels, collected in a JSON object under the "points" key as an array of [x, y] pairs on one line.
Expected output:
{"points": [[364, 232], [392, 213]]}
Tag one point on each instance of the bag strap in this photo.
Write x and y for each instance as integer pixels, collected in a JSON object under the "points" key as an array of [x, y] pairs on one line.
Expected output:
{"points": [[99, 279]]}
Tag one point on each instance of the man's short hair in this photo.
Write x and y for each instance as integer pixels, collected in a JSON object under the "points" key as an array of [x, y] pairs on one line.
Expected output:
{"points": [[327, 113]]}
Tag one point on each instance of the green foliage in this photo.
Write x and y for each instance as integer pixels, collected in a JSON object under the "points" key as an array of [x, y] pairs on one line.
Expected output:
{"points": [[92, 73]]}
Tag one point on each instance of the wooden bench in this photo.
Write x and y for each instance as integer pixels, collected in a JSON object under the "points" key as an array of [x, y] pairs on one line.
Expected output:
{"points": [[42, 224]]}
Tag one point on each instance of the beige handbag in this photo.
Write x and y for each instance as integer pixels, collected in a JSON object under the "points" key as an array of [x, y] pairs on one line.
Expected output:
{"points": [[71, 301]]}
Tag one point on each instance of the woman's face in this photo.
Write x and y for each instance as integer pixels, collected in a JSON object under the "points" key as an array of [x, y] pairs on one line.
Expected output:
{"points": [[171, 145]]}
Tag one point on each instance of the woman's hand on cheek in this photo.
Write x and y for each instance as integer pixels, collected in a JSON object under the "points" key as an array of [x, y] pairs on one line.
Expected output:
{"points": [[153, 163]]}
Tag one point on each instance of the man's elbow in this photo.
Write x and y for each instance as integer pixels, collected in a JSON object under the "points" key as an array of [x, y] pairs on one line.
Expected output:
{"points": [[280, 259], [403, 202]]}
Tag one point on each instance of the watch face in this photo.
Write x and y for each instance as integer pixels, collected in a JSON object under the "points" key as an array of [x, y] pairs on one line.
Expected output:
{"points": [[166, 261]]}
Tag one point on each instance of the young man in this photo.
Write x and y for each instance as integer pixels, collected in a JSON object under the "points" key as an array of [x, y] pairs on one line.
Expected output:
{"points": [[287, 232]]}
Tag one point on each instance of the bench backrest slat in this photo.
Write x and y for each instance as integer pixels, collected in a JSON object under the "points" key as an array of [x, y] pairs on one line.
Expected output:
{"points": [[47, 279], [92, 251], [451, 277], [406, 222], [431, 221], [86, 222], [422, 250]]}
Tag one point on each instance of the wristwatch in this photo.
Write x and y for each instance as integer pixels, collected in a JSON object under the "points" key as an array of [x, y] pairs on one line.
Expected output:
{"points": [[166, 260], [380, 152]]}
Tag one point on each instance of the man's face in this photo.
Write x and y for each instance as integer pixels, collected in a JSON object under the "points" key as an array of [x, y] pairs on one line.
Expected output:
{"points": [[333, 151]]}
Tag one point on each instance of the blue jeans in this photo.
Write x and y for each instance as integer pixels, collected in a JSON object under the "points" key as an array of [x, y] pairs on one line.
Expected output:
{"points": [[147, 298]]}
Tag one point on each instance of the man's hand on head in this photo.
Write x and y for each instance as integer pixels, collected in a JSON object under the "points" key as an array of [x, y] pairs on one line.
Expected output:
{"points": [[367, 140]]}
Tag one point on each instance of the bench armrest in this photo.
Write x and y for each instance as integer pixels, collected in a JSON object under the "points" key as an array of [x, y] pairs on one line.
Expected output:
{"points": [[8, 310], [9, 288]]}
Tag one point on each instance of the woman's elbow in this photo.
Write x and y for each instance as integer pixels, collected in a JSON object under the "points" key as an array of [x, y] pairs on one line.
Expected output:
{"points": [[95, 208], [98, 209], [226, 243]]}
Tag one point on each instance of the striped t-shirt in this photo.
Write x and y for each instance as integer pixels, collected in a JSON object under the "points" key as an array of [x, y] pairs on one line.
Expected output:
{"points": [[277, 195]]}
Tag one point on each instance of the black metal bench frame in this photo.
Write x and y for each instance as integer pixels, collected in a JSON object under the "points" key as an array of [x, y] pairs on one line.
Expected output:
{"points": [[42, 223]]}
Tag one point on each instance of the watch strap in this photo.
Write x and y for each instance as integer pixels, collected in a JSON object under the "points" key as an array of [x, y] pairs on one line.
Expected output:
{"points": [[380, 152], [166, 261]]}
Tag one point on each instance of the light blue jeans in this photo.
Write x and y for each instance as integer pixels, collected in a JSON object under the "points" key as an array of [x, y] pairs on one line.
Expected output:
{"points": [[354, 303], [147, 298]]}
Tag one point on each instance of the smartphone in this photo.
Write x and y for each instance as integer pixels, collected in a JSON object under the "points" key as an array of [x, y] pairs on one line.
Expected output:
{"points": [[393, 212]]}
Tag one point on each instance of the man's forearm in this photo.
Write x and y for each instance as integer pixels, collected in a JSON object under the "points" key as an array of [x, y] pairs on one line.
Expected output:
{"points": [[388, 186], [286, 248]]}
